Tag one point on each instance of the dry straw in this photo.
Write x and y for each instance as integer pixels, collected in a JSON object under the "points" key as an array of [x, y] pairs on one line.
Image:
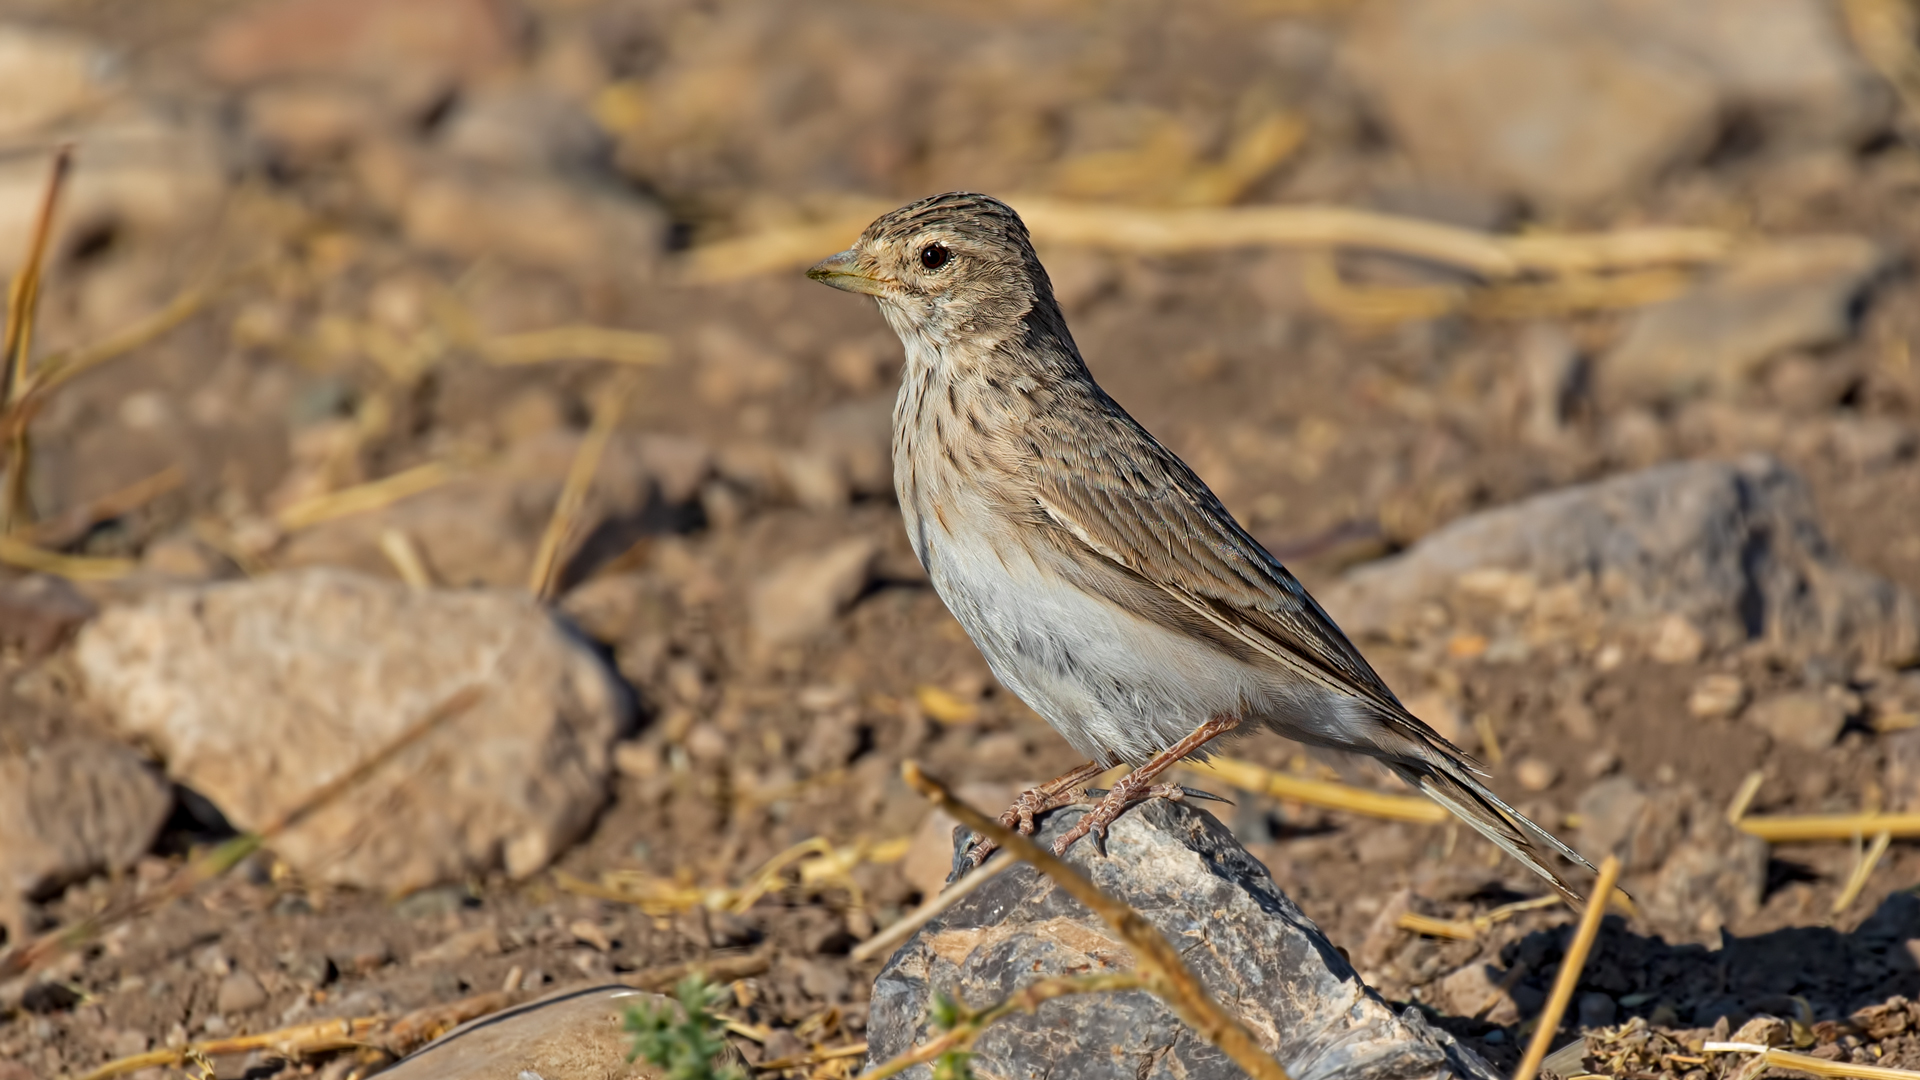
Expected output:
{"points": [[1569, 977], [395, 1038], [1322, 793], [1160, 231]]}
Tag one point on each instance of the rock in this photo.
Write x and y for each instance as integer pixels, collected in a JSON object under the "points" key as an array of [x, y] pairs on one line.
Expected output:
{"points": [[47, 76], [239, 993], [1785, 67], [1600, 117], [1535, 774], [309, 121], [858, 439], [143, 170], [1803, 719], [38, 613], [1715, 875], [374, 40], [1903, 770], [1795, 294], [258, 693], [521, 128], [1248, 943], [1733, 546], [1676, 641], [572, 1033], [1474, 990], [1596, 1010], [1616, 91], [536, 218], [1617, 816], [71, 808], [929, 855], [1717, 695], [802, 596]]}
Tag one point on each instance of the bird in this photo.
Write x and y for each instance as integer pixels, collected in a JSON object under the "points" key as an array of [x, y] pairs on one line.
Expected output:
{"points": [[1104, 583]]}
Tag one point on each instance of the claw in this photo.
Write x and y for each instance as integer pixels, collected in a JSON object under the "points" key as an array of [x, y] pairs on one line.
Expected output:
{"points": [[1207, 796]]}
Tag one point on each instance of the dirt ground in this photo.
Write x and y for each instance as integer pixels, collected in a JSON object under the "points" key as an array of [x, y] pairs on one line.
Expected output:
{"points": [[1335, 441]]}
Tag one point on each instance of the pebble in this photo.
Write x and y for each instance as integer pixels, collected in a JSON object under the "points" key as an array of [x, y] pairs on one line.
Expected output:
{"points": [[1805, 719], [240, 992], [1716, 696], [1535, 774], [802, 596]]}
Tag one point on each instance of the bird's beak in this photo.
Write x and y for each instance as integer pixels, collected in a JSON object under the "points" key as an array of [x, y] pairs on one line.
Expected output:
{"points": [[842, 271]]}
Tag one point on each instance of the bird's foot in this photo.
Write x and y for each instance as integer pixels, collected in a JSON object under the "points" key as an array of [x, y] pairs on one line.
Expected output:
{"points": [[1108, 810], [1068, 789]]}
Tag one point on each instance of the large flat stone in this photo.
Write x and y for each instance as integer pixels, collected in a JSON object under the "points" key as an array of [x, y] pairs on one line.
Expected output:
{"points": [[1251, 947]]}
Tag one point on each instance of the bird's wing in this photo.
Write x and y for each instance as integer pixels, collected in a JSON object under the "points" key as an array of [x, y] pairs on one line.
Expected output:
{"points": [[1118, 493], [1114, 491]]}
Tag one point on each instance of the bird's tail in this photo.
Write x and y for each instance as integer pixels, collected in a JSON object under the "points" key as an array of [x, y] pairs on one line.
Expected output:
{"points": [[1452, 786]]}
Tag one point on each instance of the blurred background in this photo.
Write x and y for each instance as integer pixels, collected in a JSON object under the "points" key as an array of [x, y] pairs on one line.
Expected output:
{"points": [[497, 302]]}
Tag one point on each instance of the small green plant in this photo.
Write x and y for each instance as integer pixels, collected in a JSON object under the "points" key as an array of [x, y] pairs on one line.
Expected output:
{"points": [[690, 1045], [948, 1014]]}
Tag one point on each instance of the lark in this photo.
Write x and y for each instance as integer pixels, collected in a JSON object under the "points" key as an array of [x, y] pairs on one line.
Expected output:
{"points": [[1102, 580]]}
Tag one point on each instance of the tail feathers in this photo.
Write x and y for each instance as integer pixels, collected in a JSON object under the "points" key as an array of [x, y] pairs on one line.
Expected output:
{"points": [[1471, 802]]}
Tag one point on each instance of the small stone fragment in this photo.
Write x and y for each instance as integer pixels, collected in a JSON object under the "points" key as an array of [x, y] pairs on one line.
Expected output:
{"points": [[1535, 774], [1676, 641], [240, 992], [1807, 719], [802, 596], [1716, 696]]}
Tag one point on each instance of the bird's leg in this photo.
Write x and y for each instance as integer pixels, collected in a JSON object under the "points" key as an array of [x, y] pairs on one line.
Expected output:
{"points": [[1064, 790], [1138, 786]]}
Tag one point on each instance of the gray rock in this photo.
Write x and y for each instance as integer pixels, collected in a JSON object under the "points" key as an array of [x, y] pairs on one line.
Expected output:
{"points": [[1795, 294], [574, 1033], [1733, 546], [1251, 947], [39, 612], [544, 218], [802, 596], [239, 993], [1573, 103], [1550, 102], [257, 693], [68, 809], [1801, 719]]}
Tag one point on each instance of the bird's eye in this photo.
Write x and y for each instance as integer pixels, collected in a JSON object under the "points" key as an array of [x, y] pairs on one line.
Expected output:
{"points": [[935, 256]]}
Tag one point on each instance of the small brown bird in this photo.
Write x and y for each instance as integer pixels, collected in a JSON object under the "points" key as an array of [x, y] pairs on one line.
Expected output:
{"points": [[1104, 583]]}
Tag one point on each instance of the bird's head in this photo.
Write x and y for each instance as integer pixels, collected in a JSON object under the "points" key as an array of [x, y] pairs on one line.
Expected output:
{"points": [[953, 267]]}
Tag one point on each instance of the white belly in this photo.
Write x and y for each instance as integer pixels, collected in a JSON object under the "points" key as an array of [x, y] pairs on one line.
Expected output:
{"points": [[1118, 687]]}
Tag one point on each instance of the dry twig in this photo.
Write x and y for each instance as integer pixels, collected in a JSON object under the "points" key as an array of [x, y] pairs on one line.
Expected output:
{"points": [[1807, 1063], [1469, 929], [1324, 793], [1787, 829], [607, 412], [1862, 871], [1160, 970], [361, 498], [23, 299], [1149, 230], [1569, 977], [1026, 999], [887, 940], [75, 523]]}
